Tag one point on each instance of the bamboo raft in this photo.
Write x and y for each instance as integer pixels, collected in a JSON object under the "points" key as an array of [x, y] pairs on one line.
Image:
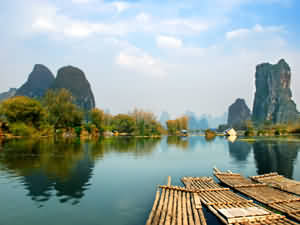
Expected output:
{"points": [[280, 182], [274, 198], [229, 207], [174, 205]]}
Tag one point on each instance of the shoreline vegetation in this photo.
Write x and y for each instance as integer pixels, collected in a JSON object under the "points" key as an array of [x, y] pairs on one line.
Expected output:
{"points": [[56, 114]]}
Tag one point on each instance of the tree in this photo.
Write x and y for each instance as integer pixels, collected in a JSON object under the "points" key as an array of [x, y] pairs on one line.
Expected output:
{"points": [[172, 127], [22, 109], [146, 123], [124, 123], [97, 117], [62, 112], [177, 125]]}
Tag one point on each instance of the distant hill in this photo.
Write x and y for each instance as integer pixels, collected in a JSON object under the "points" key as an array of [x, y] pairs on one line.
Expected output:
{"points": [[38, 82], [74, 80], [238, 114], [8, 94], [215, 121], [41, 79], [196, 123], [164, 117]]}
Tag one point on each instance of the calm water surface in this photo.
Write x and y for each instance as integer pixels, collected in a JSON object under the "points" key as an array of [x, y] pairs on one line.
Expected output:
{"points": [[113, 181]]}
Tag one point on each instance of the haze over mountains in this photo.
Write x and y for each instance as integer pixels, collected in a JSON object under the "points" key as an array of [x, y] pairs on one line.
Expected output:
{"points": [[273, 97], [10, 93]]}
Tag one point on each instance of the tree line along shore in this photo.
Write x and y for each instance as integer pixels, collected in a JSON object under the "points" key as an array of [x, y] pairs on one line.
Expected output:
{"points": [[58, 114]]}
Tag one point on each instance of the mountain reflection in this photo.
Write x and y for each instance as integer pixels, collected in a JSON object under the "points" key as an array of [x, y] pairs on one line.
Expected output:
{"points": [[275, 157], [62, 168], [239, 150]]}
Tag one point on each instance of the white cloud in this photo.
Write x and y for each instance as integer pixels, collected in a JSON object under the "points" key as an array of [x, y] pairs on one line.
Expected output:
{"points": [[244, 32], [43, 24], [187, 24], [237, 33], [79, 30], [57, 23], [121, 6], [81, 1], [179, 26], [168, 42], [143, 17], [136, 60]]}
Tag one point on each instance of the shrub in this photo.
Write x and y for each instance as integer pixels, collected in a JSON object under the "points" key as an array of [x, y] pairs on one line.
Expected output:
{"points": [[23, 110], [261, 133], [21, 129], [46, 130], [277, 132], [249, 133], [78, 131], [209, 134], [87, 127]]}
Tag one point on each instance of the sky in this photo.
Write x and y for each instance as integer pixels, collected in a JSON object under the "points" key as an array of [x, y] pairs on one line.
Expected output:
{"points": [[159, 55]]}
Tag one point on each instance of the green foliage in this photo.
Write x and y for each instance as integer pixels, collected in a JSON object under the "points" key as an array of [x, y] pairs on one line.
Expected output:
{"points": [[146, 123], [62, 112], [249, 132], [21, 129], [78, 131], [97, 117], [124, 123], [87, 127], [277, 132], [261, 132], [25, 110], [46, 130]]}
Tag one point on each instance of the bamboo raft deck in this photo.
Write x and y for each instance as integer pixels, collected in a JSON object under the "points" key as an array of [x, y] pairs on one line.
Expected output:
{"points": [[274, 198], [278, 181], [229, 207], [174, 205]]}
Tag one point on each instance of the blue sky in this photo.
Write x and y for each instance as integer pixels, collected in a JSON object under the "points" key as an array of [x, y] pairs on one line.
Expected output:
{"points": [[173, 55]]}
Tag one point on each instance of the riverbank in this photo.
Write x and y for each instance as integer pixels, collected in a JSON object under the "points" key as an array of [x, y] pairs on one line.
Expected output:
{"points": [[288, 138]]}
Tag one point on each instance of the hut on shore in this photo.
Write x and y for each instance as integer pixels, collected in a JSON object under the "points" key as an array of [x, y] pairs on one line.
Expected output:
{"points": [[230, 132]]}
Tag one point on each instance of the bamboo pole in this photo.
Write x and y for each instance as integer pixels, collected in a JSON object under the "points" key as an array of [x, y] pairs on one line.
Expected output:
{"points": [[159, 208], [179, 211], [174, 217], [196, 207], [169, 180], [184, 211], [189, 210], [169, 210], [153, 208], [165, 207]]}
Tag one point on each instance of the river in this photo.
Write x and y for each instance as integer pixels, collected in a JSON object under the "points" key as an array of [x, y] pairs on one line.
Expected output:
{"points": [[113, 181]]}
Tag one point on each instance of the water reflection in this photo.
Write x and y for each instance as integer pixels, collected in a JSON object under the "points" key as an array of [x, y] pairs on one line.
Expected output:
{"points": [[47, 165], [232, 139], [239, 151], [180, 142], [54, 174], [275, 157], [63, 168]]}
